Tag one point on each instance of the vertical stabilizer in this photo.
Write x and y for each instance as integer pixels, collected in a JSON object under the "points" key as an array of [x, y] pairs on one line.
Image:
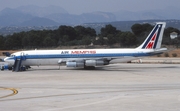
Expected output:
{"points": [[154, 39]]}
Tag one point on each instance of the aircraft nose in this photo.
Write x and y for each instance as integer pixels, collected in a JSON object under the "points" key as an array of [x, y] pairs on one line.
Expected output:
{"points": [[9, 60], [5, 59]]}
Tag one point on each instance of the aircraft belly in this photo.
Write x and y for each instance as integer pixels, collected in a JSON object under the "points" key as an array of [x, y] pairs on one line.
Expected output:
{"points": [[124, 59], [29, 62], [48, 61], [39, 62]]}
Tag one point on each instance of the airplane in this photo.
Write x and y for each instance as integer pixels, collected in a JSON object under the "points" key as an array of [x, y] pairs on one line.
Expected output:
{"points": [[86, 58]]}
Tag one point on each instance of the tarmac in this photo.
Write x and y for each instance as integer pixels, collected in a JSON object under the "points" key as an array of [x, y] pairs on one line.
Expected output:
{"points": [[116, 87]]}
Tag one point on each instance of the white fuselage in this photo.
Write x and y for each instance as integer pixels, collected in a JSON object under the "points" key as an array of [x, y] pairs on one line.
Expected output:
{"points": [[56, 57]]}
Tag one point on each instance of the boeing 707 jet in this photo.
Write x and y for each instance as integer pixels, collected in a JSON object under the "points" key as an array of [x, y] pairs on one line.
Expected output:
{"points": [[89, 57]]}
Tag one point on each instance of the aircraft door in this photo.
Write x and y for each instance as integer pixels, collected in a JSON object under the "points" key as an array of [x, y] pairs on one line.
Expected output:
{"points": [[23, 57]]}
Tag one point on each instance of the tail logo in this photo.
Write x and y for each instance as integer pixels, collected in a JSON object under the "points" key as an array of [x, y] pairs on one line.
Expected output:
{"points": [[151, 42], [153, 39]]}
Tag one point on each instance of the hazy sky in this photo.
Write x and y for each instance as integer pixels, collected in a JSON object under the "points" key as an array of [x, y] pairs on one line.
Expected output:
{"points": [[81, 6]]}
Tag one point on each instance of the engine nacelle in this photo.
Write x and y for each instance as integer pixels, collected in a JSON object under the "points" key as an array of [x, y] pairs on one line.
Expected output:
{"points": [[75, 64], [96, 62]]}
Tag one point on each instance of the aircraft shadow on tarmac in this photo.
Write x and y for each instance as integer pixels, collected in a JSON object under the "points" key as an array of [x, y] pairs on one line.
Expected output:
{"points": [[122, 68], [107, 68]]}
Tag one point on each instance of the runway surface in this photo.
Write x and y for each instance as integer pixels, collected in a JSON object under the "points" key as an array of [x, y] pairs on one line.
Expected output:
{"points": [[117, 87]]}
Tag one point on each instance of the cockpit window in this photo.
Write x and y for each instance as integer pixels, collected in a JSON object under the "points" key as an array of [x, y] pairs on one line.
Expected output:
{"points": [[12, 55]]}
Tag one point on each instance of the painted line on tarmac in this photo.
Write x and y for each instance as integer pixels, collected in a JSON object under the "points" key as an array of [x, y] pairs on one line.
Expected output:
{"points": [[15, 91]]}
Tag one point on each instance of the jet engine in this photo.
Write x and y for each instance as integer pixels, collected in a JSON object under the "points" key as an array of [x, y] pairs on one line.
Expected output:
{"points": [[95, 63], [75, 64], [87, 63]]}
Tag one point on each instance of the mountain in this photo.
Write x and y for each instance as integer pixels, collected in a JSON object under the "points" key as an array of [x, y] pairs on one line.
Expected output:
{"points": [[38, 21], [83, 18], [52, 15], [31, 15], [41, 11], [98, 17], [161, 14], [169, 12], [11, 17], [124, 15]]}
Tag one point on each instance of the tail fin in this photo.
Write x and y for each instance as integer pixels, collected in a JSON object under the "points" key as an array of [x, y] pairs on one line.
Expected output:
{"points": [[154, 39]]}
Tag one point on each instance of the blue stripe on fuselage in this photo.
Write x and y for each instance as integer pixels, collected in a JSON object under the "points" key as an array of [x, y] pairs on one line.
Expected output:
{"points": [[82, 55]]}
